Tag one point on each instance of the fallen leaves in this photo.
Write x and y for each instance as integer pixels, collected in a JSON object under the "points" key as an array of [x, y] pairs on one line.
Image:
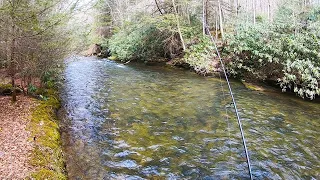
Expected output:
{"points": [[15, 144]]}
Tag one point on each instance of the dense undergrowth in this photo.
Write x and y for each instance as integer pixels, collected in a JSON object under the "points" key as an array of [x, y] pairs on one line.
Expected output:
{"points": [[151, 39], [281, 52], [141, 41]]}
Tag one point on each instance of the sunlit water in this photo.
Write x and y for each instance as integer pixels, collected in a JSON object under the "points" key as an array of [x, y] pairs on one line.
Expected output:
{"points": [[137, 122]]}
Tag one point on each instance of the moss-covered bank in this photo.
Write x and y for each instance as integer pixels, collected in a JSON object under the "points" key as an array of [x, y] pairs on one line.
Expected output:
{"points": [[47, 155]]}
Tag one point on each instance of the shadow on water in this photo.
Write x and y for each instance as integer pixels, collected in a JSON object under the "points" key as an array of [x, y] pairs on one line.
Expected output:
{"points": [[133, 122]]}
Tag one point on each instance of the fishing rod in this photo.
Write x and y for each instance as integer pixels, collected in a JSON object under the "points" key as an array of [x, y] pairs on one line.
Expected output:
{"points": [[233, 101]]}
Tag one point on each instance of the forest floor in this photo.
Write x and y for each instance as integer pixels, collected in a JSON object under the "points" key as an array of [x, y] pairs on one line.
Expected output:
{"points": [[15, 141]]}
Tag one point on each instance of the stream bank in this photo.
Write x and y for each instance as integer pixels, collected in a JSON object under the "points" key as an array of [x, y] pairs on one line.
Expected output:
{"points": [[30, 137], [47, 155]]}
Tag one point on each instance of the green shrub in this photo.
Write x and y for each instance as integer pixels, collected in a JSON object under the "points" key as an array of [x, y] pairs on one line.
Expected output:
{"points": [[151, 38], [201, 56], [253, 53], [279, 51], [50, 78], [32, 88], [138, 41], [302, 76]]}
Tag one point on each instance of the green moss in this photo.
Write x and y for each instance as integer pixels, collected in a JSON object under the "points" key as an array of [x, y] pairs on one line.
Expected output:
{"points": [[113, 58], [48, 174], [252, 86], [5, 86], [47, 156]]}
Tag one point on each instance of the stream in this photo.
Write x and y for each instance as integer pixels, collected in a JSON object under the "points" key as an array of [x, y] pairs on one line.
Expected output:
{"points": [[147, 122]]}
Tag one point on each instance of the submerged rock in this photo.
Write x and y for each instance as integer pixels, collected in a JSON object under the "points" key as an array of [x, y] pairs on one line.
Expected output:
{"points": [[129, 164]]}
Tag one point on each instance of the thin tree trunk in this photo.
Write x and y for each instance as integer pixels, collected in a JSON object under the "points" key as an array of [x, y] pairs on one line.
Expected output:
{"points": [[178, 25], [217, 26], [247, 10], [237, 7], [295, 25], [12, 65], [12, 71], [204, 17], [158, 7], [14, 92], [207, 13], [221, 20], [269, 11], [232, 6], [254, 11]]}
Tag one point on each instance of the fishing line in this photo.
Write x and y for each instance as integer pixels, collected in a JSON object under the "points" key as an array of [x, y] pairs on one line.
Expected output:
{"points": [[233, 101], [226, 114]]}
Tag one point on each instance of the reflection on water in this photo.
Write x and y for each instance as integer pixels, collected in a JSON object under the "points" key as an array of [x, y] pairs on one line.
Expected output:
{"points": [[136, 122]]}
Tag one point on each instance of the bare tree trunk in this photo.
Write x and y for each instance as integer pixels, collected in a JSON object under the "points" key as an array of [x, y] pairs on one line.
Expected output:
{"points": [[217, 26], [207, 13], [12, 70], [247, 10], [158, 7], [221, 20], [178, 24], [295, 25], [111, 12], [254, 11], [269, 11], [233, 7], [12, 66], [237, 7], [14, 92], [204, 17]]}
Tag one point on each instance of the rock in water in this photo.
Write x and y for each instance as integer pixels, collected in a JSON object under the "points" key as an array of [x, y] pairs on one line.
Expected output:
{"points": [[93, 50], [104, 53]]}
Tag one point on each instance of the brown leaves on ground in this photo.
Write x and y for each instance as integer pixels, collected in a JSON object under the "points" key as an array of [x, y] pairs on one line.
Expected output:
{"points": [[15, 144]]}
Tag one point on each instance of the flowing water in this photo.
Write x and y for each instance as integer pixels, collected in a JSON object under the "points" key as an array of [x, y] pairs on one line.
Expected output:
{"points": [[137, 122]]}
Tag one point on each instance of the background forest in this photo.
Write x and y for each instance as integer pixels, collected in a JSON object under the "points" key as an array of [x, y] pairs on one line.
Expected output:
{"points": [[273, 41], [34, 39]]}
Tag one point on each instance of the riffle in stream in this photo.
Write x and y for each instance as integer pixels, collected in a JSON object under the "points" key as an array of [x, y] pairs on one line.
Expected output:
{"points": [[135, 122]]}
